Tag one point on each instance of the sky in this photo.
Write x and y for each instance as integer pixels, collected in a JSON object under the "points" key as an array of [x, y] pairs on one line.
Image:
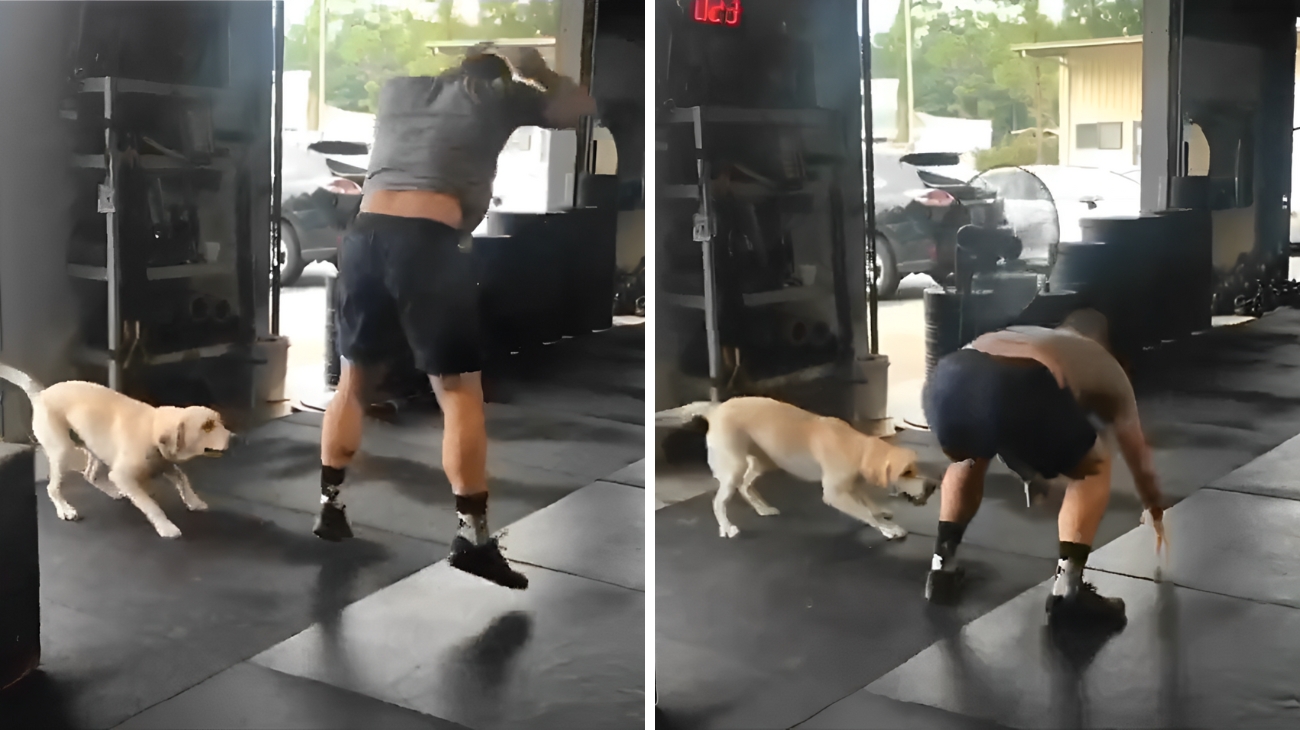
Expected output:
{"points": [[883, 12], [295, 11]]}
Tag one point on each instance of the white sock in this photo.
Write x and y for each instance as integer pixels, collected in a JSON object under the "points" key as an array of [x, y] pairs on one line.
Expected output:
{"points": [[1068, 577], [474, 528]]}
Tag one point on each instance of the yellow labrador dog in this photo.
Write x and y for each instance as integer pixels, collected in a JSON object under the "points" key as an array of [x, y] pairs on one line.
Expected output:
{"points": [[750, 436], [135, 440]]}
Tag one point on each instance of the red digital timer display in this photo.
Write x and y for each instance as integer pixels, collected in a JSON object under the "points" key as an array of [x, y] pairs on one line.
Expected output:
{"points": [[717, 12]]}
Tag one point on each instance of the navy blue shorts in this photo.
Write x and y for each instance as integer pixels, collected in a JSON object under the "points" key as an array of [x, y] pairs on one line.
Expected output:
{"points": [[979, 406], [406, 286]]}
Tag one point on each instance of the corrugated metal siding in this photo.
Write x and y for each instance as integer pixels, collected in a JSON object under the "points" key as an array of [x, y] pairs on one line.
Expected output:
{"points": [[1106, 84]]}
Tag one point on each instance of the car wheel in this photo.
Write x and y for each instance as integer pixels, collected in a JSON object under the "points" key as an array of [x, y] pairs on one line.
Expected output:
{"points": [[292, 264], [886, 276]]}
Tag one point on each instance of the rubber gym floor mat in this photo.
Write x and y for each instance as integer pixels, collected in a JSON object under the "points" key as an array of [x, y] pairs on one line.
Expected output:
{"points": [[1186, 659], [395, 484], [867, 711], [598, 532], [250, 697], [566, 653], [799, 610], [1239, 545], [130, 618], [632, 475], [1273, 474]]}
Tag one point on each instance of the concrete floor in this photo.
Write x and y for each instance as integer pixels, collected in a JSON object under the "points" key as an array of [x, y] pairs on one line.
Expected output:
{"points": [[250, 621], [811, 618]]}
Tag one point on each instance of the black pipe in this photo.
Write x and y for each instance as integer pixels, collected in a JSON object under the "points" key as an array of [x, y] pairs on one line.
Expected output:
{"points": [[869, 169], [278, 153], [333, 362]]}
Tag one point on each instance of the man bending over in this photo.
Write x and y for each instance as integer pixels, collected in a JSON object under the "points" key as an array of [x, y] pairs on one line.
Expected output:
{"points": [[1044, 398]]}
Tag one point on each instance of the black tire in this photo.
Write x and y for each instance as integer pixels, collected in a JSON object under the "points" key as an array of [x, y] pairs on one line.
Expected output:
{"points": [[291, 268], [887, 277]]}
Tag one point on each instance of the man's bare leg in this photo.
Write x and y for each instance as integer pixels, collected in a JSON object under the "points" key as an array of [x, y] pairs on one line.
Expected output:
{"points": [[464, 436], [464, 459], [960, 495], [340, 440], [1081, 513]]}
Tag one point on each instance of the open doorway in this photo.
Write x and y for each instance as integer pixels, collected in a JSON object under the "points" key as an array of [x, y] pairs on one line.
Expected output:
{"points": [[332, 97], [1036, 109]]}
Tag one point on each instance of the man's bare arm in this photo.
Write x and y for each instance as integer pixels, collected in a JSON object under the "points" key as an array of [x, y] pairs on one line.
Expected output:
{"points": [[566, 101], [1137, 454]]}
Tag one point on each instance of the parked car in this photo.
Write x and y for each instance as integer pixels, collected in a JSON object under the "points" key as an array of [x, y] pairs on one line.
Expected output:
{"points": [[921, 201], [1044, 204], [320, 195]]}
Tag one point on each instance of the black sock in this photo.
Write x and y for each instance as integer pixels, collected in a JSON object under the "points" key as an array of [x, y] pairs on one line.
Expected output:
{"points": [[945, 545], [1069, 569], [471, 511], [330, 481]]}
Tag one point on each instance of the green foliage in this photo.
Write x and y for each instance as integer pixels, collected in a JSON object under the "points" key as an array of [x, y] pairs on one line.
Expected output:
{"points": [[964, 65], [367, 43], [1021, 149]]}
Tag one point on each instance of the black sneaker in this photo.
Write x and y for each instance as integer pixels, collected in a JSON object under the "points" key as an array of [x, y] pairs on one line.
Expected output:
{"points": [[332, 523], [1086, 607], [486, 562], [943, 586]]}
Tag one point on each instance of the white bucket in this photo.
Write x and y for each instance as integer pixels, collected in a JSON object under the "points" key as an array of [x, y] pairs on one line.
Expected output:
{"points": [[272, 355], [871, 395]]}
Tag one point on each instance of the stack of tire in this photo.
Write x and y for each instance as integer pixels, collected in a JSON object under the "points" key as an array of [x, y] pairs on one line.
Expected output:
{"points": [[1150, 275]]}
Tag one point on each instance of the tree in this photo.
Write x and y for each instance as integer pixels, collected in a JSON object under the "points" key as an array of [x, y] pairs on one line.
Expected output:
{"points": [[369, 44], [963, 63], [1101, 18]]}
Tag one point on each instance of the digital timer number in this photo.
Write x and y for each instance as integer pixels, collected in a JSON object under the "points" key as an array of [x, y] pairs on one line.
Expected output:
{"points": [[717, 12]]}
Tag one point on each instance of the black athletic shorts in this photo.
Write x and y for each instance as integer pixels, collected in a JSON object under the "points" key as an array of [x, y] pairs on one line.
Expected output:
{"points": [[405, 283], [979, 406]]}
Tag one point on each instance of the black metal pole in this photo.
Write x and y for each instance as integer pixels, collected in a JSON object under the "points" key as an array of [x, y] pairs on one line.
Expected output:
{"points": [[583, 163], [869, 170], [278, 153]]}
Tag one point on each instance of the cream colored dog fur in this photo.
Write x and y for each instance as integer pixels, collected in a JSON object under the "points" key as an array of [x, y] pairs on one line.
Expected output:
{"points": [[135, 440], [750, 436]]}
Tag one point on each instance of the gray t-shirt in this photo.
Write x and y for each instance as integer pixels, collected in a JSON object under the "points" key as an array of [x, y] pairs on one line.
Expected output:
{"points": [[432, 133]]}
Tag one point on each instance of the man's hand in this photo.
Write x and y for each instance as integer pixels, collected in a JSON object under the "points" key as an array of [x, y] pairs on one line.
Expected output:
{"points": [[526, 60], [1157, 517]]}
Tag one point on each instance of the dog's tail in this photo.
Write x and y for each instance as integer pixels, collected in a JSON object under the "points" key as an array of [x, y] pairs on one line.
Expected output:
{"points": [[29, 384], [685, 415]]}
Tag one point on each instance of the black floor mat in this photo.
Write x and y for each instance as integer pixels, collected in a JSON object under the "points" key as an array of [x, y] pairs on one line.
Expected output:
{"points": [[566, 653], [767, 629], [1187, 659]]}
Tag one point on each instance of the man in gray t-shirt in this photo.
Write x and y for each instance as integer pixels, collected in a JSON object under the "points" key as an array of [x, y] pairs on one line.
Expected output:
{"points": [[406, 285], [1044, 400]]}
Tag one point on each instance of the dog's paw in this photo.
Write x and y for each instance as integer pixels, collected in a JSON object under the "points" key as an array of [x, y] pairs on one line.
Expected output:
{"points": [[67, 512], [728, 531], [893, 532], [767, 510], [168, 530], [197, 505]]}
